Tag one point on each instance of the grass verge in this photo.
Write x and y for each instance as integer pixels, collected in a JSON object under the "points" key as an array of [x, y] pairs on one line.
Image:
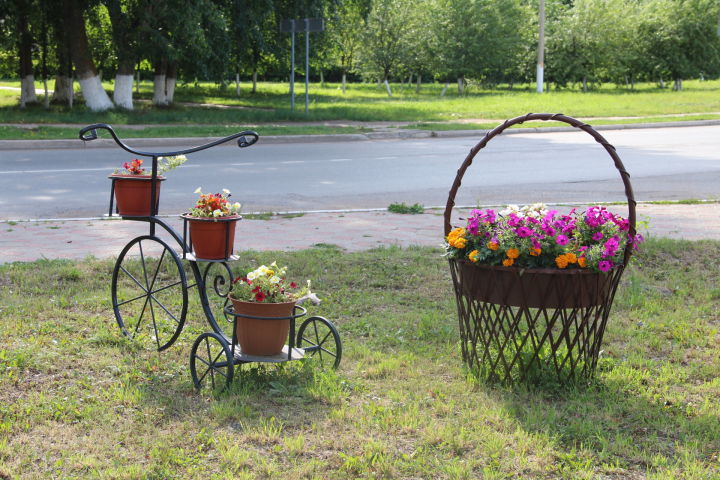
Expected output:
{"points": [[77, 400]]}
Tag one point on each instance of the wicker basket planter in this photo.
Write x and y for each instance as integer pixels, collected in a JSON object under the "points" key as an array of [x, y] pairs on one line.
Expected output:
{"points": [[526, 324]]}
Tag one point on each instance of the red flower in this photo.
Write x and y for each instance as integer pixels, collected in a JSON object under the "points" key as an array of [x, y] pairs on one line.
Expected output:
{"points": [[293, 285], [259, 296], [256, 290]]}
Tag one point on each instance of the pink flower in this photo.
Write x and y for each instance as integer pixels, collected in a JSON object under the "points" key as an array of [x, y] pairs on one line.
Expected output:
{"points": [[562, 240], [605, 265], [523, 232], [597, 236]]}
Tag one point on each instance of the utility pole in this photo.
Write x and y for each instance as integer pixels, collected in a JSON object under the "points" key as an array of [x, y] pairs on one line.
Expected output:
{"points": [[541, 48]]}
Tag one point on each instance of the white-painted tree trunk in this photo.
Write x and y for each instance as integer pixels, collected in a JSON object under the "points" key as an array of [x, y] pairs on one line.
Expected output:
{"points": [[387, 86], [237, 84], [63, 87], [96, 98], [122, 96], [170, 83], [419, 82], [444, 90], [461, 86], [27, 90], [159, 97], [344, 82]]}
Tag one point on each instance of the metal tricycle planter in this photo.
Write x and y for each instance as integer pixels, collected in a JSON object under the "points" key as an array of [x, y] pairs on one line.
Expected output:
{"points": [[150, 284]]}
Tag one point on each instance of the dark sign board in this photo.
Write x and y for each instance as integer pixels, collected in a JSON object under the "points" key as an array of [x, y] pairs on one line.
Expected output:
{"points": [[302, 25]]}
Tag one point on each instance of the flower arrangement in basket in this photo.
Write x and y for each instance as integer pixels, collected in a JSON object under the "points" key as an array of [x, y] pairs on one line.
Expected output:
{"points": [[212, 224], [534, 287], [133, 185], [265, 292], [535, 237]]}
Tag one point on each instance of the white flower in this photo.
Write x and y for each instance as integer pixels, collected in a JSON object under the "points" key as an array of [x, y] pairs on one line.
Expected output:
{"points": [[275, 279], [236, 206], [226, 191], [198, 190], [252, 276], [217, 213]]}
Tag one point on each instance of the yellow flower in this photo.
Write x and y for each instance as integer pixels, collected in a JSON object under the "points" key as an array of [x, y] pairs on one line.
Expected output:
{"points": [[582, 262], [513, 253], [473, 256], [456, 238], [535, 251], [561, 261], [493, 246], [508, 262], [571, 257]]}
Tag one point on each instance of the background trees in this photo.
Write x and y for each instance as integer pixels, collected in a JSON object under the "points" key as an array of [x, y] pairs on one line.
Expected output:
{"points": [[589, 42]]}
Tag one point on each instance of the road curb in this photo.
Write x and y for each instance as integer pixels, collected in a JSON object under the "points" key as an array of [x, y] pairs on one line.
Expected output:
{"points": [[394, 134]]}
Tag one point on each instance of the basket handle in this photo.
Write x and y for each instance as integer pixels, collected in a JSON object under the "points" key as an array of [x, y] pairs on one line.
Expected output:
{"points": [[559, 117]]}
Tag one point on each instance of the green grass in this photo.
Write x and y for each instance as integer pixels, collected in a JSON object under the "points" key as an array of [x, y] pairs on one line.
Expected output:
{"points": [[406, 209], [368, 102], [77, 400]]}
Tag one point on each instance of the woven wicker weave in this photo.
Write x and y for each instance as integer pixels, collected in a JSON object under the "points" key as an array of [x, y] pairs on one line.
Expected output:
{"points": [[521, 324]]}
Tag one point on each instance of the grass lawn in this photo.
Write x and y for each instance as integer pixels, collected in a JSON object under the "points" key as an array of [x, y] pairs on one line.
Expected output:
{"points": [[78, 400], [370, 103]]}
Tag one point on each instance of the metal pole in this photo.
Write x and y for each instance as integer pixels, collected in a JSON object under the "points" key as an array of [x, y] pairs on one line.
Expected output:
{"points": [[292, 66], [307, 62], [541, 48]]}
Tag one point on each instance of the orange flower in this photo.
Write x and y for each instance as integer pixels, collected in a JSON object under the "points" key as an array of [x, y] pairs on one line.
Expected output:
{"points": [[535, 251], [456, 238], [473, 256], [561, 261], [571, 257], [508, 262], [582, 262], [493, 246], [513, 253]]}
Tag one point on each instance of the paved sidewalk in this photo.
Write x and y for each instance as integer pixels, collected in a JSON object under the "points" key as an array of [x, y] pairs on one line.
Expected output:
{"points": [[353, 231]]}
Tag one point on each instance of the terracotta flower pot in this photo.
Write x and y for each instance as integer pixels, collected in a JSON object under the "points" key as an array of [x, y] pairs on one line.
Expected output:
{"points": [[534, 288], [260, 336], [132, 194], [212, 238]]}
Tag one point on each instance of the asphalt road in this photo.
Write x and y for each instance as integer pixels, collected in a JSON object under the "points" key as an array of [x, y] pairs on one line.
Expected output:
{"points": [[665, 164]]}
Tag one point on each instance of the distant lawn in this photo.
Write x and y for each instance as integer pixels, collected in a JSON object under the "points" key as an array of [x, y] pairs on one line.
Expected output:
{"points": [[368, 102], [77, 400]]}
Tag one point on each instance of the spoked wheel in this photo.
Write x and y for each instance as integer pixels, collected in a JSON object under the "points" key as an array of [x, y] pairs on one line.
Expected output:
{"points": [[149, 291], [321, 341], [217, 278], [211, 362]]}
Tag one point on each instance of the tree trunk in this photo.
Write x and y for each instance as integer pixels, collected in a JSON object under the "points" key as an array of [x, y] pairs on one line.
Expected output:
{"points": [[584, 84], [63, 91], [159, 97], [254, 89], [322, 79], [677, 86], [96, 98], [170, 82], [122, 95], [27, 78], [387, 86], [237, 84], [419, 82], [444, 90], [344, 82], [461, 85], [662, 83]]}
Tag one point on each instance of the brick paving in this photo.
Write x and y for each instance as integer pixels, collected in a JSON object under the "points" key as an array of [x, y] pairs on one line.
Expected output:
{"points": [[352, 231]]}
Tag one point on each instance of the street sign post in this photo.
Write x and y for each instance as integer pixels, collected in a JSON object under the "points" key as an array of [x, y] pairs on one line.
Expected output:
{"points": [[306, 25]]}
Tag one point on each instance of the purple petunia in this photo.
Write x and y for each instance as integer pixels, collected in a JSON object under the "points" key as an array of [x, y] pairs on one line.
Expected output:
{"points": [[562, 240], [523, 232], [605, 265], [597, 236]]}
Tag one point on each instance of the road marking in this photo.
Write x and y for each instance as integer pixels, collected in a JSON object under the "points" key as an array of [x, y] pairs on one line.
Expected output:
{"points": [[246, 164], [327, 182], [385, 158], [341, 160], [64, 170], [287, 162]]}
